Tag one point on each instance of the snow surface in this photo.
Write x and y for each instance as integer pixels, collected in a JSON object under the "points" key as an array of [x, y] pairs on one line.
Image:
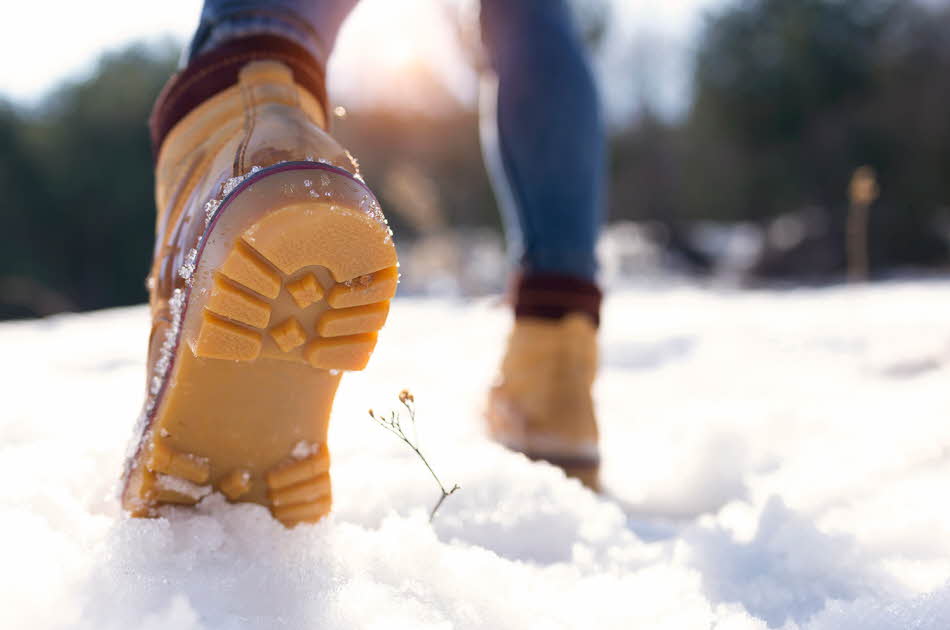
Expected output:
{"points": [[776, 459]]}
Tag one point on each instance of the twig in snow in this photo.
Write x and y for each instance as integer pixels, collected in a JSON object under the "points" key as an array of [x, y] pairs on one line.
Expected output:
{"points": [[393, 425]]}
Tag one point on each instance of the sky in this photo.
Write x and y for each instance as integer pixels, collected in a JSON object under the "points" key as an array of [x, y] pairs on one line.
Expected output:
{"points": [[403, 34]]}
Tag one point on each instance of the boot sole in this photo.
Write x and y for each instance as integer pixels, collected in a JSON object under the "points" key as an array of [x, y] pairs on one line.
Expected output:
{"points": [[289, 290], [501, 414]]}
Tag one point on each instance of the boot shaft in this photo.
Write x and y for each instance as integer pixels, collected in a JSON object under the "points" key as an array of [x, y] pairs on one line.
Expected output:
{"points": [[264, 119]]}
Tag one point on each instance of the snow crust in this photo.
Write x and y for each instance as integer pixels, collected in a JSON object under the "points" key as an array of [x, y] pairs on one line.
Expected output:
{"points": [[774, 460], [182, 486]]}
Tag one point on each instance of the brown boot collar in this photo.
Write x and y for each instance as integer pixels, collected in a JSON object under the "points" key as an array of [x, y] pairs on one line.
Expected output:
{"points": [[217, 70], [553, 296]]}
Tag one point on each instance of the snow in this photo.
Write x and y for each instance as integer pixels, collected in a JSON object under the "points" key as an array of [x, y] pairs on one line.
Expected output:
{"points": [[303, 449], [182, 486], [774, 459]]}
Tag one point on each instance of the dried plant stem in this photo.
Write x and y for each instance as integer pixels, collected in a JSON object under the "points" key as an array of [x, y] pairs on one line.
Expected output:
{"points": [[394, 426]]}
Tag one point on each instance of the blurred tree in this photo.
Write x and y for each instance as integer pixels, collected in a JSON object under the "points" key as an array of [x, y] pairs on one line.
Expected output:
{"points": [[77, 177], [778, 83], [790, 97], [21, 186]]}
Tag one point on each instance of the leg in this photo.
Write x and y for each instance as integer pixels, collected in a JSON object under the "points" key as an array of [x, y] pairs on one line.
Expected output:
{"points": [[544, 142], [543, 136]]}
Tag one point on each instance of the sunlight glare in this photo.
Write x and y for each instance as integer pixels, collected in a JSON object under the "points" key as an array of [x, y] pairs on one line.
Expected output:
{"points": [[400, 54]]}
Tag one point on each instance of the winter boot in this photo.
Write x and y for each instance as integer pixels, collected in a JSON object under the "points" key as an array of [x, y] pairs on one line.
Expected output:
{"points": [[273, 271], [541, 404]]}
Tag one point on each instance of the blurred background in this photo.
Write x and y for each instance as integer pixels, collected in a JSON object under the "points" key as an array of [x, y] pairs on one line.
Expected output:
{"points": [[752, 141]]}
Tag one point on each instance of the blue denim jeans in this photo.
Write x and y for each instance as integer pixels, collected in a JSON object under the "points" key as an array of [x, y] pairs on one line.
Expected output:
{"points": [[542, 131]]}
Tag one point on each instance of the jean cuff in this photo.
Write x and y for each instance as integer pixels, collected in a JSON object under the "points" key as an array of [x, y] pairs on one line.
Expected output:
{"points": [[553, 296], [213, 36]]}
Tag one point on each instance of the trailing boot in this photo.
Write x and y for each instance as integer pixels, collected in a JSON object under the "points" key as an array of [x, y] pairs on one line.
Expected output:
{"points": [[541, 404]]}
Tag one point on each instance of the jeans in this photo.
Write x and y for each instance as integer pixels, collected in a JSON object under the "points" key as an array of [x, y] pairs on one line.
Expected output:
{"points": [[542, 131]]}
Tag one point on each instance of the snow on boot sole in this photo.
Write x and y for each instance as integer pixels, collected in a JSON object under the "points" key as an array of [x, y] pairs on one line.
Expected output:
{"points": [[288, 288]]}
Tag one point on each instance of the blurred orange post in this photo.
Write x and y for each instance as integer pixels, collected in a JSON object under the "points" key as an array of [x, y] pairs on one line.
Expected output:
{"points": [[862, 191]]}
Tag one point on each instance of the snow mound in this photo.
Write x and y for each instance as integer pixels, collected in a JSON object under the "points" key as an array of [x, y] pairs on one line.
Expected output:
{"points": [[774, 460]]}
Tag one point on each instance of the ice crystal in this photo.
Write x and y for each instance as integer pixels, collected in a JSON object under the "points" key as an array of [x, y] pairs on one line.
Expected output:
{"points": [[182, 486], [354, 162], [159, 374], [175, 306], [303, 449], [360, 281], [231, 184], [210, 208], [370, 207], [176, 302], [234, 182], [187, 270]]}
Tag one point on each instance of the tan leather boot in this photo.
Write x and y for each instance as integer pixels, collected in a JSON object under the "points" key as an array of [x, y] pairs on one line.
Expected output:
{"points": [[273, 271], [541, 404]]}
